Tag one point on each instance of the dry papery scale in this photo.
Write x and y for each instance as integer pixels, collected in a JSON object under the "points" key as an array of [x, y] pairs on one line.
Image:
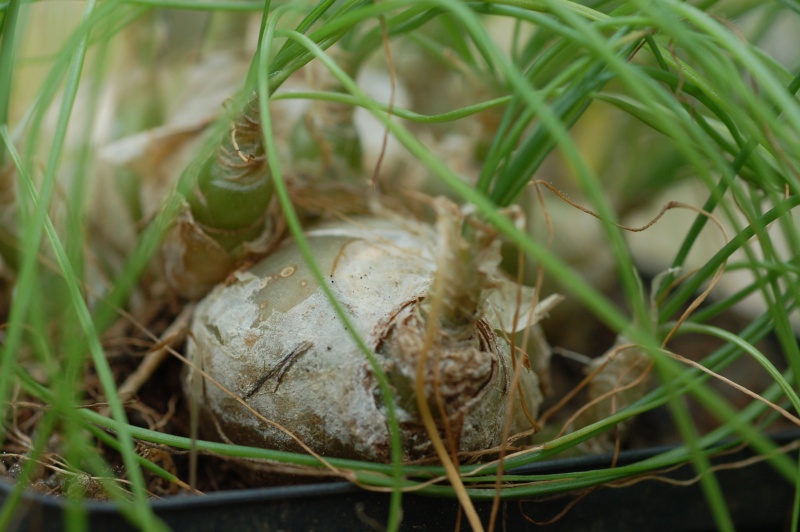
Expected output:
{"points": [[271, 338]]}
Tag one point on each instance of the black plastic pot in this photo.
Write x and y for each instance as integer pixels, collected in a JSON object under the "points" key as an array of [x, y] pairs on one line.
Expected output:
{"points": [[757, 497]]}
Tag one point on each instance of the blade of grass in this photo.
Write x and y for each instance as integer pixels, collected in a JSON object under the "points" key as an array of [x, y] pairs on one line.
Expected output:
{"points": [[7, 32], [141, 511], [295, 227]]}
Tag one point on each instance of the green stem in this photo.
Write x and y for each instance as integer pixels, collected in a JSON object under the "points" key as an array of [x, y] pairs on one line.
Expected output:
{"points": [[292, 220], [8, 28], [233, 187]]}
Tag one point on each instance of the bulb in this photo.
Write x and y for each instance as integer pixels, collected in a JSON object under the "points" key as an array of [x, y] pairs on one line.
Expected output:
{"points": [[272, 338]]}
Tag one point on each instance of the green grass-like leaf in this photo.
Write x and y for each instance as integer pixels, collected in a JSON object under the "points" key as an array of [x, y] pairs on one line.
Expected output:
{"points": [[700, 84]]}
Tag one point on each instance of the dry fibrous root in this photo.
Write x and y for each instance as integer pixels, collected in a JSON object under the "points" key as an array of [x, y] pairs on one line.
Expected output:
{"points": [[619, 378], [272, 339]]}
